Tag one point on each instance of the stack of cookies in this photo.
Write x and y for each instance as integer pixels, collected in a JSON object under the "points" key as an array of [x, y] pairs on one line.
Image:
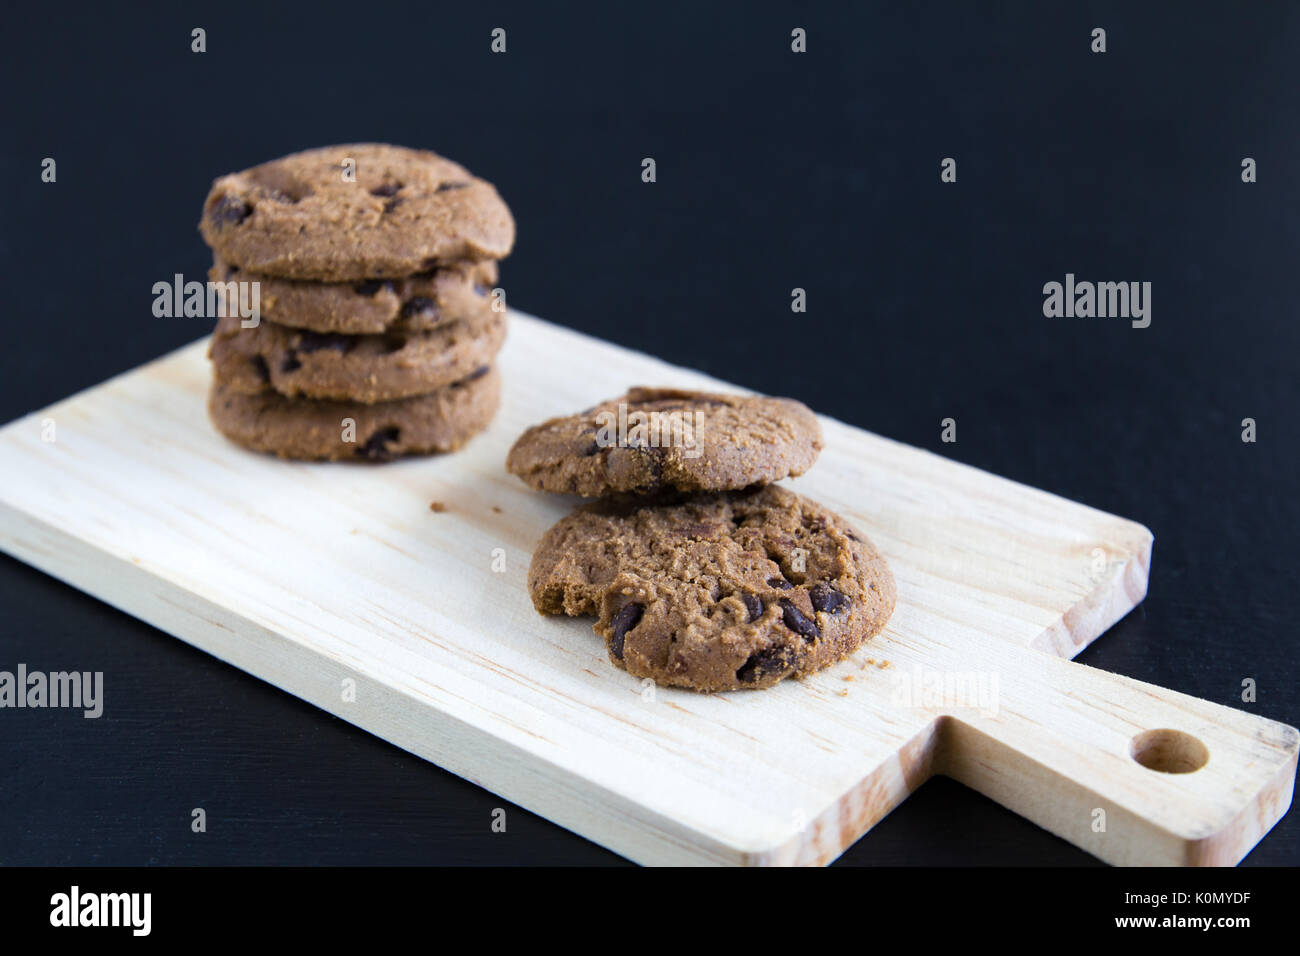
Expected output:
{"points": [[376, 269], [701, 574]]}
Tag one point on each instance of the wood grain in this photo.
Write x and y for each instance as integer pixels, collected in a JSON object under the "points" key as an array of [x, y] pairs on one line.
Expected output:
{"points": [[312, 575]]}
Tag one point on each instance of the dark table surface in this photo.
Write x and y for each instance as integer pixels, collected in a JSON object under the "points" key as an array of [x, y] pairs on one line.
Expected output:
{"points": [[775, 170]]}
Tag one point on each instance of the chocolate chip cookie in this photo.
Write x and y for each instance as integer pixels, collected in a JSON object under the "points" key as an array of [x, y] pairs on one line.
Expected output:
{"points": [[354, 212], [723, 591], [656, 438], [460, 290], [312, 429], [362, 368]]}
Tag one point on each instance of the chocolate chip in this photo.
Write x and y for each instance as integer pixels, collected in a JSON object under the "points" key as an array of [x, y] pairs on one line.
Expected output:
{"points": [[447, 187], [652, 456], [318, 341], [392, 204], [417, 305], [394, 343], [780, 583], [799, 622], [229, 211], [472, 376], [278, 184], [290, 363], [754, 605], [260, 367], [826, 598], [371, 286], [387, 189], [771, 660], [376, 446], [628, 617], [592, 449]]}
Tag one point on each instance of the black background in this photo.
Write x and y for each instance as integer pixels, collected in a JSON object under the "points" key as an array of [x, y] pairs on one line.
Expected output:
{"points": [[775, 170]]}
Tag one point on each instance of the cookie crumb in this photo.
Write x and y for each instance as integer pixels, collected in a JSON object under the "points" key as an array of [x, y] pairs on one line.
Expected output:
{"points": [[496, 510], [883, 664], [437, 507]]}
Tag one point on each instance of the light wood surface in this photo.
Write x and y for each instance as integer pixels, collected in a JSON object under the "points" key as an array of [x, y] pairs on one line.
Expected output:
{"points": [[311, 575]]}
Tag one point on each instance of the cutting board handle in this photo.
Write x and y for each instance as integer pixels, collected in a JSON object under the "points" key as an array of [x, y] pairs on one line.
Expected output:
{"points": [[1132, 773]]}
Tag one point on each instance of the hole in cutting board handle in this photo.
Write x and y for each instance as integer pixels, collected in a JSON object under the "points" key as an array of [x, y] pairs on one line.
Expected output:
{"points": [[1169, 751]]}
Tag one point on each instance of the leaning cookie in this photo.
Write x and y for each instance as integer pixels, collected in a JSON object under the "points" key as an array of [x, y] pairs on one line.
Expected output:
{"points": [[354, 212], [418, 303], [362, 368], [657, 438], [312, 429], [726, 591]]}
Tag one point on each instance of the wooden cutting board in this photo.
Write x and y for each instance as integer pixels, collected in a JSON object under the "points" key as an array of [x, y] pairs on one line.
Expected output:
{"points": [[339, 584]]}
